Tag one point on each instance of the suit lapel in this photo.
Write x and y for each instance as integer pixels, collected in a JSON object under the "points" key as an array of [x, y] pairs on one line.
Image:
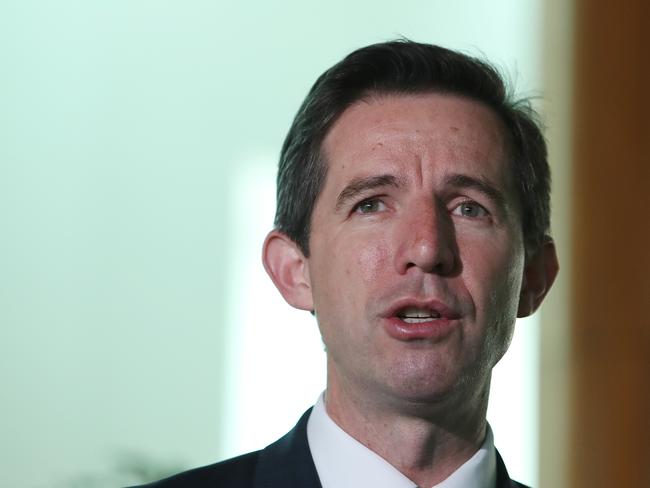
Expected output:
{"points": [[288, 462]]}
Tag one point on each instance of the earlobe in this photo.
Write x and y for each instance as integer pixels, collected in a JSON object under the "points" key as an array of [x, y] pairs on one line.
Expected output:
{"points": [[288, 268], [539, 274]]}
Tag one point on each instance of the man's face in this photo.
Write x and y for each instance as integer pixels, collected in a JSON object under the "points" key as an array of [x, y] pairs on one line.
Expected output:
{"points": [[416, 248]]}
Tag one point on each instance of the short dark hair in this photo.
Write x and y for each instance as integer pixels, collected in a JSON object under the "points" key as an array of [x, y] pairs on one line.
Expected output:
{"points": [[407, 67]]}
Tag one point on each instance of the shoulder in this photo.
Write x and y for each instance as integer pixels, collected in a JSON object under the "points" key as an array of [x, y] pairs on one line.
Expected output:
{"points": [[286, 462], [503, 478], [516, 484], [235, 472]]}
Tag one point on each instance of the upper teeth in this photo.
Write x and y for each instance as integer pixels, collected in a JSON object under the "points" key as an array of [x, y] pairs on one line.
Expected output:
{"points": [[414, 314]]}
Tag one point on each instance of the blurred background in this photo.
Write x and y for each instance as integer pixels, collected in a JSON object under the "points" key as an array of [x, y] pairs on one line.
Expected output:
{"points": [[139, 334]]}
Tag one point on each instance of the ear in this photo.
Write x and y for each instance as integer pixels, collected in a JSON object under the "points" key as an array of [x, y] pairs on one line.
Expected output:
{"points": [[289, 270], [540, 271]]}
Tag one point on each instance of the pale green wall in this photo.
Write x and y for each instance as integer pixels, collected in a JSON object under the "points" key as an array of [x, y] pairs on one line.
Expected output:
{"points": [[122, 125]]}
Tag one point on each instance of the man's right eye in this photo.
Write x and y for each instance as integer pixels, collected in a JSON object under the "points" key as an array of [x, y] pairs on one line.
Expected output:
{"points": [[370, 205]]}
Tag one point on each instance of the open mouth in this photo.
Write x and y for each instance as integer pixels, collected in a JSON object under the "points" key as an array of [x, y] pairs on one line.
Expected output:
{"points": [[416, 315], [410, 319]]}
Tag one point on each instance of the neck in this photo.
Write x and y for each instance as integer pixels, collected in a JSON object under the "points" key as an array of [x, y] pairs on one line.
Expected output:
{"points": [[425, 440]]}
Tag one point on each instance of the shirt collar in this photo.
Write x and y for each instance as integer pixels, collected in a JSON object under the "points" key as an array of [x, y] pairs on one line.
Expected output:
{"points": [[343, 462]]}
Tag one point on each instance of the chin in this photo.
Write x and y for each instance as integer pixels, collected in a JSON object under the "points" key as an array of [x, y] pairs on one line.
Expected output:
{"points": [[437, 385], [424, 388]]}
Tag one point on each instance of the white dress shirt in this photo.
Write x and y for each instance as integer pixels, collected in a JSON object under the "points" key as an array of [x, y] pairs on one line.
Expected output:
{"points": [[343, 462]]}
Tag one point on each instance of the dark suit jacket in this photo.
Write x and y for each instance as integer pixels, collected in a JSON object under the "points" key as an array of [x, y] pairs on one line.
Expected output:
{"points": [[287, 463]]}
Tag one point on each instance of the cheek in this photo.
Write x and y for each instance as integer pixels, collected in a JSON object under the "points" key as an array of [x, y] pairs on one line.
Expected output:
{"points": [[503, 299], [350, 269], [495, 287], [493, 270], [371, 261]]}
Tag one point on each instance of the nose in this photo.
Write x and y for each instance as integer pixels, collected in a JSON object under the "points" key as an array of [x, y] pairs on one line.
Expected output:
{"points": [[426, 240]]}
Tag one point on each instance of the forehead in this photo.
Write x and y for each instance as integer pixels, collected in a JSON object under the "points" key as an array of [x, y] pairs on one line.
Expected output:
{"points": [[432, 131]]}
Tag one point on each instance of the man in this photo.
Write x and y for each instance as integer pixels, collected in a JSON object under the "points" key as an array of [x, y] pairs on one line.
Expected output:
{"points": [[412, 221]]}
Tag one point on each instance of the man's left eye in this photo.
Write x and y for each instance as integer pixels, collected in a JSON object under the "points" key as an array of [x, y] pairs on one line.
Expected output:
{"points": [[470, 209], [370, 205]]}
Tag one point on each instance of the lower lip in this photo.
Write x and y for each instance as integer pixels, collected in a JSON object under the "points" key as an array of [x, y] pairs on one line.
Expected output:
{"points": [[432, 330]]}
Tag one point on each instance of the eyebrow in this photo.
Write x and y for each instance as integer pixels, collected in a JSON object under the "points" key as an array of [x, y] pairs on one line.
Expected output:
{"points": [[483, 186], [362, 184]]}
